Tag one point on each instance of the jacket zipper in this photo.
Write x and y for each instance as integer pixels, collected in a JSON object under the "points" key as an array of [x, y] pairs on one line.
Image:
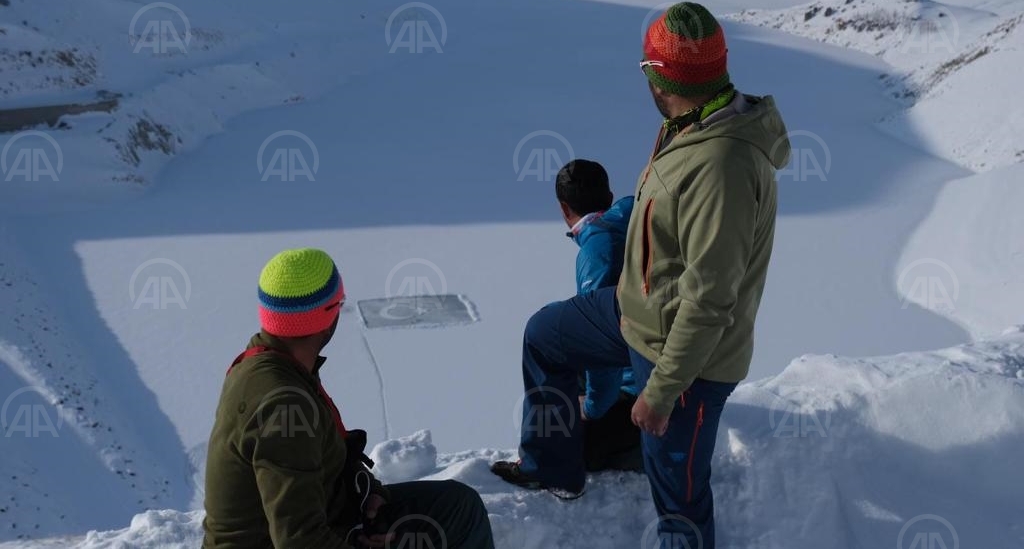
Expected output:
{"points": [[693, 446], [647, 254], [647, 257]]}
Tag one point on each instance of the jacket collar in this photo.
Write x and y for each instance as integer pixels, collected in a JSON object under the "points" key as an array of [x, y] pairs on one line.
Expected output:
{"points": [[705, 129], [264, 339], [582, 224], [695, 116]]}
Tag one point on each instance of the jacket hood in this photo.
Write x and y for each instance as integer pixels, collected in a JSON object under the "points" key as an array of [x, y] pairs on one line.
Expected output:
{"points": [[755, 120], [613, 220]]}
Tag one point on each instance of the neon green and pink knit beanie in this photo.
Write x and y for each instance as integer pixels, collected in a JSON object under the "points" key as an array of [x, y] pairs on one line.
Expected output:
{"points": [[300, 293]]}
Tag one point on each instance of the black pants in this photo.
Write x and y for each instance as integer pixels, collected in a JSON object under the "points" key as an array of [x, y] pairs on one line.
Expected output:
{"points": [[447, 513], [612, 441]]}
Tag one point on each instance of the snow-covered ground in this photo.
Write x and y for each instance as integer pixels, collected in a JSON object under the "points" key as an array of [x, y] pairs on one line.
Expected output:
{"points": [[834, 452], [413, 167]]}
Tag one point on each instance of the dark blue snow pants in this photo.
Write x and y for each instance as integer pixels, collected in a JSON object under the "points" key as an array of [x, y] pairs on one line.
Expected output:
{"points": [[567, 337]]}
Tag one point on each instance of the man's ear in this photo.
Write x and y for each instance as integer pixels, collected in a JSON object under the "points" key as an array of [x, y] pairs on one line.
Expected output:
{"points": [[566, 210]]}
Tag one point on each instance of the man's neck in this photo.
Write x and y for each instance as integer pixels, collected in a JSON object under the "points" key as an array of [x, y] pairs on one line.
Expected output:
{"points": [[306, 356], [681, 108], [572, 220]]}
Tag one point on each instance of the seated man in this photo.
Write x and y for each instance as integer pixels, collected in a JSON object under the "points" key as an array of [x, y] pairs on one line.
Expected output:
{"points": [[598, 227], [282, 470], [610, 440]]}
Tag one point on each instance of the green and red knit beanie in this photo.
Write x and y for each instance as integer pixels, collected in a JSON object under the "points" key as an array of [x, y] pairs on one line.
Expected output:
{"points": [[300, 293], [685, 53]]}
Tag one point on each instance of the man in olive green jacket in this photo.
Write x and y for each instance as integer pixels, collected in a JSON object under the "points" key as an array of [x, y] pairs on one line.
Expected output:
{"points": [[282, 470], [697, 253]]}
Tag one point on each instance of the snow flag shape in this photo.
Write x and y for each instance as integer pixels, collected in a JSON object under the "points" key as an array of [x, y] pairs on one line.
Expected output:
{"points": [[421, 311]]}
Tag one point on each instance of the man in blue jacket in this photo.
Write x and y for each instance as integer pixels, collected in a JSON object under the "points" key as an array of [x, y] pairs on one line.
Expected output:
{"points": [[598, 227]]}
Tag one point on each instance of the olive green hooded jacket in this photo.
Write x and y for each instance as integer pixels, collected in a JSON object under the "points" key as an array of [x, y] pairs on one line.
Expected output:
{"points": [[279, 473], [698, 247]]}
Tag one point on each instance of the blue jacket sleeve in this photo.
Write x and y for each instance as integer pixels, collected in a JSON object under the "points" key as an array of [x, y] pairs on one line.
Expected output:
{"points": [[594, 265], [603, 388]]}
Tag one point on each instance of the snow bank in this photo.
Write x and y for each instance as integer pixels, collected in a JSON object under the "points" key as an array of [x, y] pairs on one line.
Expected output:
{"points": [[406, 458], [834, 452], [154, 530]]}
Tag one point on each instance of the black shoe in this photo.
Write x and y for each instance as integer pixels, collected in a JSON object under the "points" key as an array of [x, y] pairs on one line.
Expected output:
{"points": [[565, 495], [510, 472]]}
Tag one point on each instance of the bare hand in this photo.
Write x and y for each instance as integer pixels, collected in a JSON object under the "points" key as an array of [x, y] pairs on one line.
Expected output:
{"points": [[647, 419], [583, 410], [373, 504]]}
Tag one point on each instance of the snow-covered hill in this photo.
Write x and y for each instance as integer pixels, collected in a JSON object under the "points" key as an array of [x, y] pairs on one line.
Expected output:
{"points": [[955, 63], [176, 83], [68, 423], [409, 178]]}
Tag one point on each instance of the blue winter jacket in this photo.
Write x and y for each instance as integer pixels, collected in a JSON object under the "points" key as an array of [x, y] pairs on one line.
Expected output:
{"points": [[602, 240]]}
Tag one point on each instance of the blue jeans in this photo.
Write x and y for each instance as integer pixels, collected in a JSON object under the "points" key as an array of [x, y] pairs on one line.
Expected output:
{"points": [[565, 338]]}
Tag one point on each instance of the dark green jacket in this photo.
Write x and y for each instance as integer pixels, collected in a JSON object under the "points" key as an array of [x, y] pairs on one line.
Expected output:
{"points": [[698, 246], [278, 471]]}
